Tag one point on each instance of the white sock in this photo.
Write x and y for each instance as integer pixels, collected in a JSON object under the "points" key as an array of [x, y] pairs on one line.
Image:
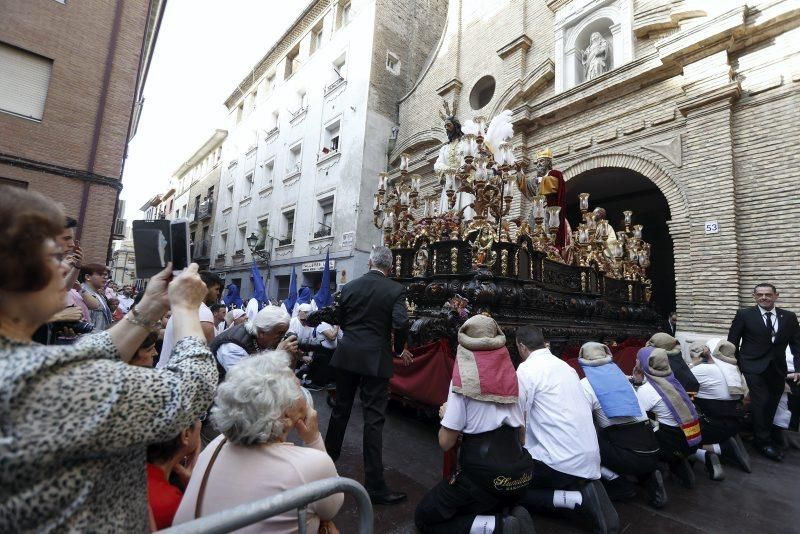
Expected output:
{"points": [[717, 449], [700, 455], [567, 499], [483, 524], [607, 473]]}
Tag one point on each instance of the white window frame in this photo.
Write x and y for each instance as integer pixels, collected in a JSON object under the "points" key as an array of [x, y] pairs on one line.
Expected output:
{"points": [[391, 57]]}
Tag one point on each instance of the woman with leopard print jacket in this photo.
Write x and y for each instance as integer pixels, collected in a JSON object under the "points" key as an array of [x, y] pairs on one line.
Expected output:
{"points": [[75, 420]]}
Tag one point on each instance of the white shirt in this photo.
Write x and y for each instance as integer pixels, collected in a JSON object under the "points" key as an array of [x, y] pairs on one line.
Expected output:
{"points": [[773, 318], [712, 382], [559, 427], [472, 416], [205, 315], [327, 343], [220, 328], [125, 303], [651, 401], [303, 332], [229, 354], [600, 415]]}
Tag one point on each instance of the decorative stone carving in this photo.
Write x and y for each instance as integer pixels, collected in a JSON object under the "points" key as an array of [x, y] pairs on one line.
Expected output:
{"points": [[669, 148]]}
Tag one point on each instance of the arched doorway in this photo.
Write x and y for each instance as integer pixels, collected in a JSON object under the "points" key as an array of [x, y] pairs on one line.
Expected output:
{"points": [[617, 189]]}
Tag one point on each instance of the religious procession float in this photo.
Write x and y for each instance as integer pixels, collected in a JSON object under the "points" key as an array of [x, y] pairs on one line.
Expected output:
{"points": [[467, 254]]}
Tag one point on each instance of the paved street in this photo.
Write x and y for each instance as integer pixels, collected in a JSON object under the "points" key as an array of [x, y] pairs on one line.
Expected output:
{"points": [[765, 501]]}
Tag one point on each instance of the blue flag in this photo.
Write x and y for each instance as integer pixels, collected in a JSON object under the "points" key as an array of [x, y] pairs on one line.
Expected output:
{"points": [[323, 297], [292, 298], [259, 292]]}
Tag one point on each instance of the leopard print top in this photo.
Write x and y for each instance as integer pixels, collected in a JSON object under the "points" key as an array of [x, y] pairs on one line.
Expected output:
{"points": [[74, 425]]}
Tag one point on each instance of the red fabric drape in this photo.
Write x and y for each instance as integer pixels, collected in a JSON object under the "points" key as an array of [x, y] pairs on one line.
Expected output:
{"points": [[573, 362], [626, 359], [427, 379]]}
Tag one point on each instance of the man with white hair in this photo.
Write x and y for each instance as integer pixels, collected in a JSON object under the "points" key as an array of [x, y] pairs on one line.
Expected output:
{"points": [[265, 331], [371, 309]]}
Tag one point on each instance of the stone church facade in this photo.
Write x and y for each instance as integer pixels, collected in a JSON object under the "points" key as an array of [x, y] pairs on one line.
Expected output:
{"points": [[700, 100]]}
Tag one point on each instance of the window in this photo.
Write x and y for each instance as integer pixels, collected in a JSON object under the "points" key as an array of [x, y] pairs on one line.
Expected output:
{"points": [[223, 244], [24, 81], [482, 92], [343, 14], [316, 38], [263, 232], [301, 100], [248, 185], [270, 85], [392, 63], [294, 162], [230, 195], [269, 171], [240, 239], [288, 227], [292, 62], [340, 68], [239, 112], [210, 194], [283, 285], [331, 138], [274, 120], [324, 217]]}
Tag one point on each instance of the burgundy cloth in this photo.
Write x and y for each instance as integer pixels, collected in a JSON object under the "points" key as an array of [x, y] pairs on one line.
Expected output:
{"points": [[496, 373], [427, 379], [626, 359], [573, 362], [570, 352]]}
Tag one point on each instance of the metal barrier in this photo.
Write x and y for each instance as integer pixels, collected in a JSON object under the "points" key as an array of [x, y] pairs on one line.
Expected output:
{"points": [[247, 514]]}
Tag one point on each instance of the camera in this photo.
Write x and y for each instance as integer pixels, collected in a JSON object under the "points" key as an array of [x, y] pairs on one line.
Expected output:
{"points": [[79, 327], [307, 344]]}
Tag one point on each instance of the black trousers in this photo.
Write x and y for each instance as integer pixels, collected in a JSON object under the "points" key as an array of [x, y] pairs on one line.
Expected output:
{"points": [[625, 461], [450, 508], [545, 481], [319, 370], [794, 407], [765, 393], [374, 392]]}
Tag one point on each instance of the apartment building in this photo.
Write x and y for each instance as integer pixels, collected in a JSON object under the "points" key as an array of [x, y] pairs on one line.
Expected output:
{"points": [[310, 129], [71, 78]]}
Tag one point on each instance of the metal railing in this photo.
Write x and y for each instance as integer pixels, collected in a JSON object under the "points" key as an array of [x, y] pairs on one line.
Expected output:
{"points": [[247, 514]]}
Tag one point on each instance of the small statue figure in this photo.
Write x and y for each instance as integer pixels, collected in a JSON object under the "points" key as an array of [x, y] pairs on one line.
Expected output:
{"points": [[420, 262], [482, 251], [595, 56], [549, 183], [450, 157]]}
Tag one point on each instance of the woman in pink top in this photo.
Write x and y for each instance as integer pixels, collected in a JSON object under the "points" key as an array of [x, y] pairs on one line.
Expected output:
{"points": [[256, 407]]}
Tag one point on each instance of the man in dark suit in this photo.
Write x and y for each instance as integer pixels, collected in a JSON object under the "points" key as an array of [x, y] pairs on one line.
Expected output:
{"points": [[764, 331], [371, 309], [671, 324]]}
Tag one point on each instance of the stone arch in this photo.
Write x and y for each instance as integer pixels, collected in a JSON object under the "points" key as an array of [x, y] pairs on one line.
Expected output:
{"points": [[673, 192], [422, 140]]}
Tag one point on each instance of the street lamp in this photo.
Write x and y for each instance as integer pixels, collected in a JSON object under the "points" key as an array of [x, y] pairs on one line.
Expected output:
{"points": [[252, 243]]}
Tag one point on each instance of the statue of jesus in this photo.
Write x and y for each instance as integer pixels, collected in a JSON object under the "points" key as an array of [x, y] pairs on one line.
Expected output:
{"points": [[451, 157]]}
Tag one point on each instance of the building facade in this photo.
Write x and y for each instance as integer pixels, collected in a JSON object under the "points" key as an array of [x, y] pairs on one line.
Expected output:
{"points": [[310, 129], [71, 76], [684, 112]]}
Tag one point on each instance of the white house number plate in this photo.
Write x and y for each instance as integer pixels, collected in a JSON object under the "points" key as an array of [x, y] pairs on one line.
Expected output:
{"points": [[712, 227]]}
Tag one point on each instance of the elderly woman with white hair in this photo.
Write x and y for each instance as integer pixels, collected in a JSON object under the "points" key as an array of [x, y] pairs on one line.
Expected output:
{"points": [[256, 408], [265, 331]]}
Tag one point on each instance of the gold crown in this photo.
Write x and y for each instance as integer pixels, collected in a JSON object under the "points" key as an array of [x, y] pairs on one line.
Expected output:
{"points": [[546, 153]]}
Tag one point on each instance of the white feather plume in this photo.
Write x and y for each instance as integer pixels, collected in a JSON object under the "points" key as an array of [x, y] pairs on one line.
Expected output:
{"points": [[500, 130], [469, 127]]}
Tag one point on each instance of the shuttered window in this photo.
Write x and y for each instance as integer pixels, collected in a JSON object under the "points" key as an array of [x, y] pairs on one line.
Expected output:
{"points": [[24, 79]]}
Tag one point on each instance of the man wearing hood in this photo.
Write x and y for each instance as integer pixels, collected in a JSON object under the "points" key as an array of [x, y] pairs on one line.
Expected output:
{"points": [[676, 362], [660, 393], [628, 446], [719, 399], [495, 469]]}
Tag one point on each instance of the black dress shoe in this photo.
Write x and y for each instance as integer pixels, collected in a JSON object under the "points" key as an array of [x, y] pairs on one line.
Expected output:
{"points": [[596, 507], [770, 452], [683, 471], [733, 450], [656, 492], [519, 520], [713, 467], [390, 497]]}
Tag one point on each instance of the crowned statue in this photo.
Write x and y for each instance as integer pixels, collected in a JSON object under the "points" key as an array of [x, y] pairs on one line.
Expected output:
{"points": [[449, 162], [549, 183]]}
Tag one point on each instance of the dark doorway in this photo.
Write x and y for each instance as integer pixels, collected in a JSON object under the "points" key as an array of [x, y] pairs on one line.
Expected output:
{"points": [[616, 190]]}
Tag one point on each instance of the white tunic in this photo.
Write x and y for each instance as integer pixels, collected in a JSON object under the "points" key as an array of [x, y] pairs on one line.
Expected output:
{"points": [[472, 416], [559, 427], [651, 401]]}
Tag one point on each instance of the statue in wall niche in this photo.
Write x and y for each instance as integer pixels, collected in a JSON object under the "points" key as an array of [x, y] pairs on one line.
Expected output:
{"points": [[450, 157], [595, 57]]}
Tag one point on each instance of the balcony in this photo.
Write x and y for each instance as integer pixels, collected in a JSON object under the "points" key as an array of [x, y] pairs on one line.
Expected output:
{"points": [[324, 232], [204, 211], [284, 242]]}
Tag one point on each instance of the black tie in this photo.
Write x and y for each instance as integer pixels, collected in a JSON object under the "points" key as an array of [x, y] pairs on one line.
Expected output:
{"points": [[768, 315]]}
